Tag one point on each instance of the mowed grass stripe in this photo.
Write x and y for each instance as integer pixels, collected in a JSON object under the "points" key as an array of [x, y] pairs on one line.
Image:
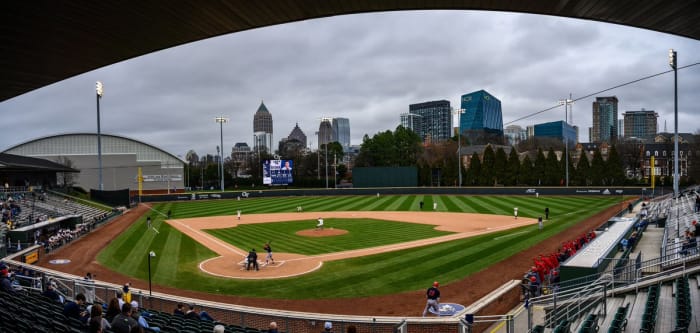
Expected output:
{"points": [[363, 233], [384, 273]]}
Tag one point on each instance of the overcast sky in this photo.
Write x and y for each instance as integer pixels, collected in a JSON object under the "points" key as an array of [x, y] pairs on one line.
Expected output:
{"points": [[368, 68]]}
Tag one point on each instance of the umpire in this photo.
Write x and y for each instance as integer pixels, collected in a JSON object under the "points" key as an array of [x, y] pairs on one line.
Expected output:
{"points": [[433, 295], [252, 260]]}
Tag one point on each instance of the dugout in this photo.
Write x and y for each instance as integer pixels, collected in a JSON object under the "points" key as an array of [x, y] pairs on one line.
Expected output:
{"points": [[595, 257], [385, 177], [26, 233]]}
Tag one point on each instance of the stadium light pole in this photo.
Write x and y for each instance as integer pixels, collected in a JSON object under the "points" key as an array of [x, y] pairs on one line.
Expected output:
{"points": [[221, 120], [150, 255], [99, 90], [318, 159], [326, 164], [459, 112], [673, 62], [566, 103]]}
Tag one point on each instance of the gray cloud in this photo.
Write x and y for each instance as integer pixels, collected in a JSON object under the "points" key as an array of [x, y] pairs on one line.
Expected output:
{"points": [[365, 67]]}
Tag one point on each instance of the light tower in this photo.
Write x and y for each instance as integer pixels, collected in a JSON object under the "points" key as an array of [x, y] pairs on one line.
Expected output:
{"points": [[221, 120]]}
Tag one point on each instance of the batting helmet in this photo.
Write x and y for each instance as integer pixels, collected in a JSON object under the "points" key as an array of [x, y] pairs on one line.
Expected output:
{"points": [[436, 284]]}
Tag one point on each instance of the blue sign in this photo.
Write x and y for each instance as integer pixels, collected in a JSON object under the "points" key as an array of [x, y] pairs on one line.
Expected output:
{"points": [[277, 172], [448, 309]]}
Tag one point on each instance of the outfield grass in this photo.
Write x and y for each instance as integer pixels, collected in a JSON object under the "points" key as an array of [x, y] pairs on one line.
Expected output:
{"points": [[362, 233], [386, 273]]}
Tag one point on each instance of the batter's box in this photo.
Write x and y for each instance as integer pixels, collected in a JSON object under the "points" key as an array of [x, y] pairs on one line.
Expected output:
{"points": [[244, 263]]}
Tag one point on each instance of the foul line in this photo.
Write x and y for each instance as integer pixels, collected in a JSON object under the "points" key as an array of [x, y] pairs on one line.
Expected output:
{"points": [[225, 245]]}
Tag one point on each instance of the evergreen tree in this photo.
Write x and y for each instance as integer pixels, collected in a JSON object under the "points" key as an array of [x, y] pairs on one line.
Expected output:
{"points": [[527, 173], [597, 169], [539, 168], [551, 169], [488, 164], [513, 176], [474, 171], [583, 170], [500, 165], [613, 168]]}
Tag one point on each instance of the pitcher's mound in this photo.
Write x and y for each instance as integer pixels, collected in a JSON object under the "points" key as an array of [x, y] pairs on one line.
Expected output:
{"points": [[321, 233]]}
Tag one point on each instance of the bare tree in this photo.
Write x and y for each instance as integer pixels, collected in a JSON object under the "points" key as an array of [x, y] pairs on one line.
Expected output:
{"points": [[66, 179]]}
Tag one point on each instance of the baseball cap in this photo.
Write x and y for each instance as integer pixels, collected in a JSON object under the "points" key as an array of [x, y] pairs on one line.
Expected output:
{"points": [[53, 284], [328, 325], [436, 284], [134, 304]]}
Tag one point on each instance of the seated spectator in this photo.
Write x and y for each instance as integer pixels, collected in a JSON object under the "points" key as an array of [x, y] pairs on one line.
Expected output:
{"points": [[124, 323], [179, 310], [271, 329], [96, 320], [113, 309], [136, 314], [76, 309], [51, 293], [222, 329], [6, 284], [192, 313]]}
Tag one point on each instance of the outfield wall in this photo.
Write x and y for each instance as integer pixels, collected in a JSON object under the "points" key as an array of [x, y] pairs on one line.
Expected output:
{"points": [[630, 191]]}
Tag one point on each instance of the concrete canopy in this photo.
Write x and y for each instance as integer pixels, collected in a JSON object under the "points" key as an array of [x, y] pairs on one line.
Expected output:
{"points": [[44, 42]]}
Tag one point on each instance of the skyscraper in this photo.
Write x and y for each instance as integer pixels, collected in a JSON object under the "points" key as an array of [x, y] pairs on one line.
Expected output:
{"points": [[482, 121], [604, 127], [559, 130], [641, 124], [436, 120], [325, 132], [262, 129], [412, 121], [341, 132], [514, 134], [298, 135]]}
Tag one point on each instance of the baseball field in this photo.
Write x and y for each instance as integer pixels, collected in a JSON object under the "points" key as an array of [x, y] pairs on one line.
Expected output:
{"points": [[202, 246]]}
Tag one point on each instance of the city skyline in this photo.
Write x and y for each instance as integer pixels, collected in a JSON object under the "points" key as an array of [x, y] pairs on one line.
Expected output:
{"points": [[367, 68]]}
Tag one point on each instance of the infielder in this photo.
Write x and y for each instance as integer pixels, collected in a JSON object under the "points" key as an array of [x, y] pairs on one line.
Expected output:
{"points": [[238, 214], [515, 212], [433, 295]]}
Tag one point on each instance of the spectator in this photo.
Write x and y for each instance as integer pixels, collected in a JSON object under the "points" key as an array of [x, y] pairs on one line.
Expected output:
{"points": [[96, 320], [127, 293], [272, 328], [113, 309], [328, 326], [51, 293], [120, 298], [123, 323], [221, 329], [352, 329], [192, 313], [136, 314], [76, 309], [6, 284], [179, 310]]}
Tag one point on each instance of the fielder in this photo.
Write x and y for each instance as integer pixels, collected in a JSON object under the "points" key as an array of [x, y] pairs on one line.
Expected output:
{"points": [[238, 214]]}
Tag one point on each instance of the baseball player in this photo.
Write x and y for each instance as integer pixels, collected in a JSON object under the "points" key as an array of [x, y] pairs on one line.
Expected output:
{"points": [[238, 214], [268, 249], [433, 295]]}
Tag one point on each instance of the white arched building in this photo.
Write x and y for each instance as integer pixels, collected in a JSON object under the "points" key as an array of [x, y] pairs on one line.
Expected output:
{"points": [[121, 158]]}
